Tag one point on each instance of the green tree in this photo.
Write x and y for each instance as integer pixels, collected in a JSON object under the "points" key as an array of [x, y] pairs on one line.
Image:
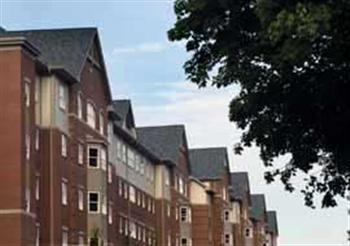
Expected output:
{"points": [[292, 61]]}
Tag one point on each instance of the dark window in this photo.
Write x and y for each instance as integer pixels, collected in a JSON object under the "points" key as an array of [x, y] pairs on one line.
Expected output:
{"points": [[93, 157]]}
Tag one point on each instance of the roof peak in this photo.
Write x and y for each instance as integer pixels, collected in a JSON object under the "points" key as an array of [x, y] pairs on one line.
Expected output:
{"points": [[162, 126], [209, 148], [53, 29]]}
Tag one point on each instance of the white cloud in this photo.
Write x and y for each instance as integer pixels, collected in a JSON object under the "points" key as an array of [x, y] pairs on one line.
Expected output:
{"points": [[149, 47]]}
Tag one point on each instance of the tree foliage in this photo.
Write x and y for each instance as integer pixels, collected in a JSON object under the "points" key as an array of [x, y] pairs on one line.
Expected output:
{"points": [[292, 61]]}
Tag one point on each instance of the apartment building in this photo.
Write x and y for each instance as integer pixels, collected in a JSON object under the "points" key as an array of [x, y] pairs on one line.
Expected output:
{"points": [[77, 170], [211, 167], [174, 217], [54, 98], [241, 202], [132, 188], [258, 216]]}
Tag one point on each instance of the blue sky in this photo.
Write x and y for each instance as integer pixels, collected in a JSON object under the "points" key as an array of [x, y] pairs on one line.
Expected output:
{"points": [[144, 66]]}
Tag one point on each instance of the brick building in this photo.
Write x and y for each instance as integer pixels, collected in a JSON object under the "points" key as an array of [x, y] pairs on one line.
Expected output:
{"points": [[77, 170], [211, 167]]}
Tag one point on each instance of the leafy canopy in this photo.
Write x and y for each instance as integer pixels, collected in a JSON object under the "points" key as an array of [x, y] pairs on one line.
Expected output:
{"points": [[292, 62]]}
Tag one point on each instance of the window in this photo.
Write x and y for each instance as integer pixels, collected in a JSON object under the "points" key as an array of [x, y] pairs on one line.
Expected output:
{"points": [[248, 232], [63, 145], [121, 225], [37, 187], [110, 214], [132, 194], [132, 230], [103, 159], [37, 234], [27, 146], [143, 200], [144, 236], [227, 239], [80, 200], [79, 106], [101, 121], [62, 97], [126, 227], [169, 239], [226, 215], [64, 192], [131, 158], [94, 200], [65, 237], [177, 213], [81, 239], [126, 188], [168, 210], [93, 157], [142, 166], [185, 214], [27, 94], [167, 177], [137, 162], [91, 115], [27, 199], [185, 242], [37, 139], [120, 188], [181, 185], [224, 193], [104, 205], [80, 154], [110, 177]]}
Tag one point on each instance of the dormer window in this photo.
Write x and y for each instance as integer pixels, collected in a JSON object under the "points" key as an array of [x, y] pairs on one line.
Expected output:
{"points": [[91, 115]]}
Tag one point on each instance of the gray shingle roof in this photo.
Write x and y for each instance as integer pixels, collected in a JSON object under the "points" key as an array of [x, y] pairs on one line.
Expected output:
{"points": [[164, 141], [272, 222], [208, 163], [60, 48], [124, 110], [258, 208], [239, 186]]}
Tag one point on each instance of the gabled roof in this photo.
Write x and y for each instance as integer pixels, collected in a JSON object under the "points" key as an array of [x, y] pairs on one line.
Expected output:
{"points": [[60, 48], [272, 222], [164, 141], [124, 110], [258, 208], [208, 163], [239, 186]]}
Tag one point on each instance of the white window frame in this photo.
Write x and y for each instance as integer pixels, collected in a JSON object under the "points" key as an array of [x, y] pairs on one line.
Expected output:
{"points": [[80, 154], [65, 236], [37, 139], [79, 106], [103, 158], [80, 200], [27, 145], [132, 228], [37, 234], [110, 213], [64, 192], [64, 145], [97, 157], [97, 202], [110, 174], [104, 205], [132, 194], [62, 100], [91, 115], [101, 123], [185, 217], [27, 93], [27, 199], [37, 187]]}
